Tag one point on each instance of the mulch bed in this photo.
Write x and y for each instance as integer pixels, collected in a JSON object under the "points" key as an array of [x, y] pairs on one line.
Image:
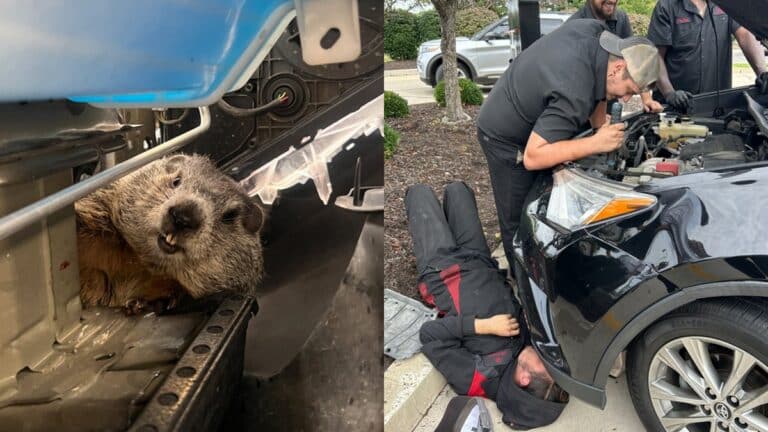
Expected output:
{"points": [[435, 154], [400, 64]]}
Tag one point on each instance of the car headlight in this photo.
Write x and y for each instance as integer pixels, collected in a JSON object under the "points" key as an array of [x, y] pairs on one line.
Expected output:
{"points": [[578, 200], [429, 48]]}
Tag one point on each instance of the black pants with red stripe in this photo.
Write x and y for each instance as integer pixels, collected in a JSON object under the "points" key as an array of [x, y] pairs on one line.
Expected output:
{"points": [[433, 228]]}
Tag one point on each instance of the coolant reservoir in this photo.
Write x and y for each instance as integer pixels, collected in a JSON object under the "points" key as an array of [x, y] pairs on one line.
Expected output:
{"points": [[670, 130]]}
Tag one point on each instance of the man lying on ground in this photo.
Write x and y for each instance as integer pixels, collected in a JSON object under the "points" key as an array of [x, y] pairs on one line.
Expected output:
{"points": [[478, 344]]}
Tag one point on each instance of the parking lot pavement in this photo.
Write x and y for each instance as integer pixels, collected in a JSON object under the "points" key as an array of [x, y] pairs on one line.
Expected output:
{"points": [[619, 414], [407, 84]]}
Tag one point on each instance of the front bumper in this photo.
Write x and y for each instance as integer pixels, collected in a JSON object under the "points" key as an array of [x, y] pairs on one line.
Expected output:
{"points": [[538, 319], [422, 67]]}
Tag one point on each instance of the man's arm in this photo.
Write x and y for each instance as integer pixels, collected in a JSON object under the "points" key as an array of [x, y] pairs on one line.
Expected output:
{"points": [[663, 84], [752, 49], [598, 115], [441, 343], [540, 154]]}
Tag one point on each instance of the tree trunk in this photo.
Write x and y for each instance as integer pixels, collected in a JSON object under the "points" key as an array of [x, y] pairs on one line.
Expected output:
{"points": [[446, 9]]}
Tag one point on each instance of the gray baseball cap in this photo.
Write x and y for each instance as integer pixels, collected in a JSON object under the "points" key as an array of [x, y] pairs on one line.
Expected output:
{"points": [[641, 56]]}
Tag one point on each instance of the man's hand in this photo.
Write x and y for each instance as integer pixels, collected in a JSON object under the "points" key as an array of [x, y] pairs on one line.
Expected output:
{"points": [[679, 100], [610, 136], [652, 106], [762, 82], [500, 325]]}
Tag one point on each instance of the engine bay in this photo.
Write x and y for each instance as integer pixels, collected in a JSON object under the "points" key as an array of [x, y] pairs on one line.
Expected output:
{"points": [[670, 144]]}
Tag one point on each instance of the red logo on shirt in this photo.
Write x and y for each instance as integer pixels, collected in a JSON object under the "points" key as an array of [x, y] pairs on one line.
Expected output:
{"points": [[719, 11], [682, 20]]}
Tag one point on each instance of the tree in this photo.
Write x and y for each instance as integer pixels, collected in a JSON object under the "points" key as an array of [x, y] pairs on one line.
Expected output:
{"points": [[446, 9]]}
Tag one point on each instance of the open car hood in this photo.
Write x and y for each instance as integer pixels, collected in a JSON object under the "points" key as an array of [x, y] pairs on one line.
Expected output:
{"points": [[747, 13]]}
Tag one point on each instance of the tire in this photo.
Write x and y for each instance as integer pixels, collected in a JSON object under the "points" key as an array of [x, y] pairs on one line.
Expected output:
{"points": [[726, 329], [461, 69]]}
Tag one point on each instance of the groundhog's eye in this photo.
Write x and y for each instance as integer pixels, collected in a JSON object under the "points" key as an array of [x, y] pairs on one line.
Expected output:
{"points": [[230, 216], [176, 182]]}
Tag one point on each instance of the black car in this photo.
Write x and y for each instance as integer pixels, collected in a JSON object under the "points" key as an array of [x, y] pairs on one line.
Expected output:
{"points": [[660, 250]]}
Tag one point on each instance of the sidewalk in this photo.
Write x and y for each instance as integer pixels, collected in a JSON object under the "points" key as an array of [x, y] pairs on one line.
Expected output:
{"points": [[407, 84], [416, 395]]}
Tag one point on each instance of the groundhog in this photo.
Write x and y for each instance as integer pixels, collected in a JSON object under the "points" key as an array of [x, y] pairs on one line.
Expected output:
{"points": [[175, 226]]}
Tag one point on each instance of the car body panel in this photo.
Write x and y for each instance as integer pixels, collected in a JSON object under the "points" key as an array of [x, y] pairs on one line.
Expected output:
{"points": [[583, 290]]}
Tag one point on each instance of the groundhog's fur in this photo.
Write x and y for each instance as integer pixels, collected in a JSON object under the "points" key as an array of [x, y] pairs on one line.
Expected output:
{"points": [[176, 225]]}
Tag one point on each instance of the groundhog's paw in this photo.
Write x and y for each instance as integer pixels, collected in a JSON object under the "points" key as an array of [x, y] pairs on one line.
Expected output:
{"points": [[138, 306]]}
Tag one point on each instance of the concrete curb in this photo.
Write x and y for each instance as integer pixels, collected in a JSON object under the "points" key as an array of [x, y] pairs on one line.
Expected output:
{"points": [[401, 72], [410, 388]]}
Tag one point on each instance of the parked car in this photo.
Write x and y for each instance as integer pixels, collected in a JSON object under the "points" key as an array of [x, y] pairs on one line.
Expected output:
{"points": [[482, 57], [660, 250]]}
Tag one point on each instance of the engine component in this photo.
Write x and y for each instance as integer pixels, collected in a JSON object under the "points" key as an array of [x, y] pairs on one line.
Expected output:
{"points": [[652, 168], [716, 160], [671, 129], [712, 144], [758, 112]]}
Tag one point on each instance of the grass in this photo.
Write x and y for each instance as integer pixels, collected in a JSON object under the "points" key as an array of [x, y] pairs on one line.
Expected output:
{"points": [[387, 58]]}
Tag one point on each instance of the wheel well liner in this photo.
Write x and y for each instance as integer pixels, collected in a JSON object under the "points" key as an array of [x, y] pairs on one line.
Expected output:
{"points": [[438, 60]]}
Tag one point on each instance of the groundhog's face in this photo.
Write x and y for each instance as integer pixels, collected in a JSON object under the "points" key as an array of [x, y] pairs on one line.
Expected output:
{"points": [[185, 218]]}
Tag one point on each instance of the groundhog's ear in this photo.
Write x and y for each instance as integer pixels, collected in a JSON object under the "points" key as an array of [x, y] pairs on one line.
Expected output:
{"points": [[173, 163], [253, 219]]}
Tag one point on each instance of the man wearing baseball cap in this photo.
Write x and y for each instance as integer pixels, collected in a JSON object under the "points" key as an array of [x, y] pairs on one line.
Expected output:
{"points": [[550, 93]]}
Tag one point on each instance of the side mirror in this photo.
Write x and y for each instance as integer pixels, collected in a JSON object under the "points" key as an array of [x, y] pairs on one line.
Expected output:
{"points": [[496, 35]]}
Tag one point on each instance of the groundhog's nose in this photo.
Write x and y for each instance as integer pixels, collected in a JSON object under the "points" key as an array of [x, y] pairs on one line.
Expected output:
{"points": [[182, 217]]}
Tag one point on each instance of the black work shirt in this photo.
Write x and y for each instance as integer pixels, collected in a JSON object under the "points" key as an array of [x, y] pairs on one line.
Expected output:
{"points": [[698, 56], [551, 88], [466, 285], [618, 23]]}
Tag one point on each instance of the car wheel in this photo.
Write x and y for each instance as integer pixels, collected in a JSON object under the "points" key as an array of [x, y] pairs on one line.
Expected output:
{"points": [[703, 368], [461, 70]]}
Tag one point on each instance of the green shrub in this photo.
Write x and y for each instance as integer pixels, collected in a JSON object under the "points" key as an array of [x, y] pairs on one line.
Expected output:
{"points": [[401, 35], [391, 140], [394, 105], [640, 7], [639, 24], [470, 20], [428, 25], [469, 91]]}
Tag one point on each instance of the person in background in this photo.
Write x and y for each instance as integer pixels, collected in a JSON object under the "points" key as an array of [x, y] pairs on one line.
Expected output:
{"points": [[608, 12], [694, 42]]}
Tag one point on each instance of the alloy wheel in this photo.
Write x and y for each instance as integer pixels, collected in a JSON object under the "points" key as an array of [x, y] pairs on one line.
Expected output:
{"points": [[701, 384]]}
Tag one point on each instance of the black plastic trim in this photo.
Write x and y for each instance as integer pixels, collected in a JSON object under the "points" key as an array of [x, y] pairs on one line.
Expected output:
{"points": [[589, 394], [666, 305]]}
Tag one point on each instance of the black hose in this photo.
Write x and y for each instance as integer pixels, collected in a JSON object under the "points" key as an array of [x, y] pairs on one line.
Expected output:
{"points": [[246, 112], [161, 118]]}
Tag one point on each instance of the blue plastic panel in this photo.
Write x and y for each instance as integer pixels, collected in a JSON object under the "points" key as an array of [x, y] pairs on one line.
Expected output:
{"points": [[134, 53]]}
